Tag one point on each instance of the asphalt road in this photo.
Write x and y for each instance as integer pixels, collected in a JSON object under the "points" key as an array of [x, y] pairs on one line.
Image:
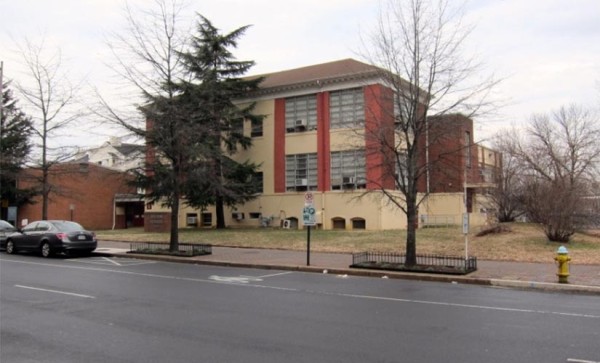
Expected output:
{"points": [[124, 310]]}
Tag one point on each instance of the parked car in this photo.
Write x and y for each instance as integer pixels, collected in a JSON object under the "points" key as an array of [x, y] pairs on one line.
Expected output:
{"points": [[50, 237], [5, 230]]}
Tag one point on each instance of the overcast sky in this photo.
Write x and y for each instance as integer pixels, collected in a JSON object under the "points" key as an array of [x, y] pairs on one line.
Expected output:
{"points": [[548, 50]]}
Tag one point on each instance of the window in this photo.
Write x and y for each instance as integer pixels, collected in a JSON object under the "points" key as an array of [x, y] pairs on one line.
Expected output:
{"points": [[238, 216], [402, 121], [348, 169], [401, 174], [359, 223], [237, 126], [206, 219], [301, 172], [191, 220], [42, 226], [301, 113], [256, 127], [487, 175], [346, 108], [400, 113], [338, 223], [468, 149], [254, 215], [257, 182]]}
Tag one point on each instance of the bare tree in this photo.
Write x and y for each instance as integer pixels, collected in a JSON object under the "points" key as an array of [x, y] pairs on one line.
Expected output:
{"points": [[560, 158], [507, 198], [419, 46], [51, 99], [148, 57]]}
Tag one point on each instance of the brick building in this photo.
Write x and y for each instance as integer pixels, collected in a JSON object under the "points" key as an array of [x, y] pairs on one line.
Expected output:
{"points": [[94, 196], [315, 138]]}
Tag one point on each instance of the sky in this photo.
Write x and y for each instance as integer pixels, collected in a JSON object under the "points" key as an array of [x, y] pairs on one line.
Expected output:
{"points": [[546, 51]]}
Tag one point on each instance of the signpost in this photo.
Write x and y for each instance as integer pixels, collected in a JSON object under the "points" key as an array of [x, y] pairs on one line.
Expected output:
{"points": [[308, 219]]}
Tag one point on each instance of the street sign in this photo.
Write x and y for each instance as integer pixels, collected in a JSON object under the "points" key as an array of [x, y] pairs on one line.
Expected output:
{"points": [[308, 198], [308, 215], [465, 223]]}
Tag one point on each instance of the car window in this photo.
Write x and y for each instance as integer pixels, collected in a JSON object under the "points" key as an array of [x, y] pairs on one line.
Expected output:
{"points": [[42, 226], [30, 227], [5, 226], [66, 226]]}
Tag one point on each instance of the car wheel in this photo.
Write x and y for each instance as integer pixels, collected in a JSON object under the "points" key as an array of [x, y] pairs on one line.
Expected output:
{"points": [[10, 247], [46, 251]]}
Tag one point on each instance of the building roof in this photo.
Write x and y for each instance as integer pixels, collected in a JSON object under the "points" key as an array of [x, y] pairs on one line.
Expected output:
{"points": [[127, 149], [317, 75]]}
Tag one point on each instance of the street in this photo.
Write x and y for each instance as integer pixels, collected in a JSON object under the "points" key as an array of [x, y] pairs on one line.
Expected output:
{"points": [[101, 309]]}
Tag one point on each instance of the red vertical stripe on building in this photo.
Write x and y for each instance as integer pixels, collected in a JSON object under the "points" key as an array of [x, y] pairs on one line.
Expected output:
{"points": [[379, 122], [323, 142], [279, 146]]}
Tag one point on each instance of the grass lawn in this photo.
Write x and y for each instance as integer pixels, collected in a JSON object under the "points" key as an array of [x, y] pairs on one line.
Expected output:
{"points": [[525, 242]]}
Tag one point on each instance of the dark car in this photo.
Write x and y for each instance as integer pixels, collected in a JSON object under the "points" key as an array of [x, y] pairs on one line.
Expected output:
{"points": [[50, 237], [5, 230]]}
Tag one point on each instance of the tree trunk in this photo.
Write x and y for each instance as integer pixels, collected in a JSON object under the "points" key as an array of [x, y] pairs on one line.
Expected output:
{"points": [[220, 211], [45, 193], [411, 231], [174, 239], [174, 235]]}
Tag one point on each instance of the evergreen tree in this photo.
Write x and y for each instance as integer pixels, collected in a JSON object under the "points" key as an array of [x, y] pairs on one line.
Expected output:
{"points": [[15, 130], [215, 83]]}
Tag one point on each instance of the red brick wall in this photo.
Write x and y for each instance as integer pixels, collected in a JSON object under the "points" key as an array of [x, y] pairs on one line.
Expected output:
{"points": [[157, 222], [323, 142], [447, 154], [379, 127], [83, 192]]}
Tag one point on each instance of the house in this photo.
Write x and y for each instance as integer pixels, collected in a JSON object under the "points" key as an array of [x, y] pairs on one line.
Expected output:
{"points": [[114, 154], [314, 138], [95, 196]]}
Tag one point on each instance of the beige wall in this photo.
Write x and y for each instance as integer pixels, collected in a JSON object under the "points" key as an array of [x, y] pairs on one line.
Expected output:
{"points": [[376, 210]]}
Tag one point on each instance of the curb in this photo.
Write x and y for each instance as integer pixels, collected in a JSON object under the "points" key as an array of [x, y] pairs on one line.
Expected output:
{"points": [[513, 284]]}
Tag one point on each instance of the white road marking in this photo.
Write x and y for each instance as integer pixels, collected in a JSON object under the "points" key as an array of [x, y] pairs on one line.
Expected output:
{"points": [[112, 261], [55, 291], [273, 275], [244, 279], [235, 280], [581, 361], [247, 284], [104, 261], [481, 307]]}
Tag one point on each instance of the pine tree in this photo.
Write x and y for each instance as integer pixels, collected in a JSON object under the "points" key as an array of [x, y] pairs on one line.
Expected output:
{"points": [[15, 129], [215, 83]]}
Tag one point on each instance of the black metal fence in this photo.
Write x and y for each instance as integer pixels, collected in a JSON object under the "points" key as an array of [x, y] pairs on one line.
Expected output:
{"points": [[425, 263], [185, 249]]}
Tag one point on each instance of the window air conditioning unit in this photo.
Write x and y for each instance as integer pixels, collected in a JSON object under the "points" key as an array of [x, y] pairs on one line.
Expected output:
{"points": [[301, 182], [300, 123], [348, 180], [238, 216], [191, 221], [287, 224]]}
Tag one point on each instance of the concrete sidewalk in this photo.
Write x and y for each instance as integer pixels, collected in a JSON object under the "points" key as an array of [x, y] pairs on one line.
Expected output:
{"points": [[583, 279]]}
